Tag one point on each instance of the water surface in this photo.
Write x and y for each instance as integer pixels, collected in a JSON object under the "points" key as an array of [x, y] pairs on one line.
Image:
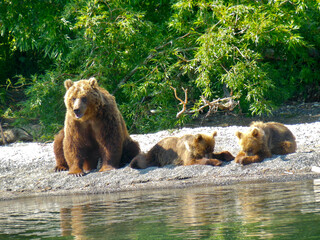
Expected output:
{"points": [[289, 210]]}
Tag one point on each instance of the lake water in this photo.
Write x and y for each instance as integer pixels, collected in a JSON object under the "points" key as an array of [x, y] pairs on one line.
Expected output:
{"points": [[289, 210]]}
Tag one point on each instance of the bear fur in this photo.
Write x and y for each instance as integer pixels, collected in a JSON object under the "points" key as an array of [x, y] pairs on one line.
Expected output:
{"points": [[94, 129], [264, 139], [186, 150]]}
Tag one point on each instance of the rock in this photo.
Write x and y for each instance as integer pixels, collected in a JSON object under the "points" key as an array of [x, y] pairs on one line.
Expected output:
{"points": [[15, 135]]}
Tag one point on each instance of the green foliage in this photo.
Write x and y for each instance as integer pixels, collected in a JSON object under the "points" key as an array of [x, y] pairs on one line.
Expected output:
{"points": [[263, 52], [233, 43], [48, 87]]}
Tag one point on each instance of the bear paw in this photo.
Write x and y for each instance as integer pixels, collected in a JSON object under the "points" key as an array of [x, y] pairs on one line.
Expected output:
{"points": [[60, 168], [245, 160], [106, 168], [225, 156], [213, 162], [76, 172], [241, 160], [210, 161]]}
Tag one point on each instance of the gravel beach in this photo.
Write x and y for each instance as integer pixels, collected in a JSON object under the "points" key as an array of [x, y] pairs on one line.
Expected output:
{"points": [[26, 169]]}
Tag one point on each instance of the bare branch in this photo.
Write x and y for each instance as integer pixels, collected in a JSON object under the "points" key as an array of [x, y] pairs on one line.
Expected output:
{"points": [[183, 103], [224, 104]]}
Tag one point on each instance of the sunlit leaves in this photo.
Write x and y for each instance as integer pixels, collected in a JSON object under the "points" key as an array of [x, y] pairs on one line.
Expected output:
{"points": [[262, 52], [233, 40]]}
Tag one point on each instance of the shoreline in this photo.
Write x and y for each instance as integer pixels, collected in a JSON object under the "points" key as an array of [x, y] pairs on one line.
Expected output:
{"points": [[167, 185], [27, 169]]}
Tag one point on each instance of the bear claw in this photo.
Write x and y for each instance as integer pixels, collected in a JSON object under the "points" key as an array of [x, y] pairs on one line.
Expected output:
{"points": [[60, 168]]}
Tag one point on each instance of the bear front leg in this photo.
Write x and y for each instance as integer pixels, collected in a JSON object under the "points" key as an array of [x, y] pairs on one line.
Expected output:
{"points": [[75, 161], [243, 159], [110, 159], [76, 168], [224, 156], [207, 161], [61, 164]]}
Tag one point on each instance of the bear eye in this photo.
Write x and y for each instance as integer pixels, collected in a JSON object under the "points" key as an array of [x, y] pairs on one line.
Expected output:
{"points": [[84, 99]]}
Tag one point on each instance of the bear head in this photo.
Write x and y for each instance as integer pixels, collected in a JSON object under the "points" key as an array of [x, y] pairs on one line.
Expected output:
{"points": [[202, 145], [251, 143], [82, 98]]}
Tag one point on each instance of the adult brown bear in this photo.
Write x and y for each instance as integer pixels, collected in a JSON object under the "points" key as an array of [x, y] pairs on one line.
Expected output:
{"points": [[94, 129]]}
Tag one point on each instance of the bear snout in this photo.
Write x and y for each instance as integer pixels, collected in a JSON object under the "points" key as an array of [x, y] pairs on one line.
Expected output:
{"points": [[77, 112], [250, 154]]}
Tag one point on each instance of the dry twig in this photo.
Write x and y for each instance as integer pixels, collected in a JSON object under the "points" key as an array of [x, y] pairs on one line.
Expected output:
{"points": [[183, 103], [224, 104]]}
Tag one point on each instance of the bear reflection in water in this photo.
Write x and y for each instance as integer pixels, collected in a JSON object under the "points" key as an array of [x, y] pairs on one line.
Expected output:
{"points": [[240, 210]]}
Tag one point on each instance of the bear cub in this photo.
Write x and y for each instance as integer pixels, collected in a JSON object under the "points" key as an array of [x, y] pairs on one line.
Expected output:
{"points": [[264, 139], [186, 150]]}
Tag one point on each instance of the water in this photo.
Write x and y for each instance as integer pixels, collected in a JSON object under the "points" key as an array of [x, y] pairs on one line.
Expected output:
{"points": [[288, 210]]}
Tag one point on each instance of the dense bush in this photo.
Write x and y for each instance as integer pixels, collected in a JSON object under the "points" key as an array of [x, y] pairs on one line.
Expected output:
{"points": [[262, 52]]}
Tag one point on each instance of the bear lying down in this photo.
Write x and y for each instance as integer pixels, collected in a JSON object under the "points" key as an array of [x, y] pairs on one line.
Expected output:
{"points": [[264, 139], [94, 129], [186, 150]]}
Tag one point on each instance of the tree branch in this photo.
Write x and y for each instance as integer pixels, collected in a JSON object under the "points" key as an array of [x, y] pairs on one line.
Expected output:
{"points": [[183, 103], [225, 104]]}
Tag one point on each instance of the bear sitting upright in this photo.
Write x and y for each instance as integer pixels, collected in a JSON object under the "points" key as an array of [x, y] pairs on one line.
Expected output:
{"points": [[94, 129], [186, 150], [263, 140]]}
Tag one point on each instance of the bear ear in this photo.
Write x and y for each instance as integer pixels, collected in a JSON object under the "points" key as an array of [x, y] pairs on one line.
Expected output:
{"points": [[93, 82], [198, 137], [255, 132], [68, 84], [214, 134], [239, 134]]}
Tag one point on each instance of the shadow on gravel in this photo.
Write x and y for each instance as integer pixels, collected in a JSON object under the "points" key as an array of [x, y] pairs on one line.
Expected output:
{"points": [[150, 169], [293, 113]]}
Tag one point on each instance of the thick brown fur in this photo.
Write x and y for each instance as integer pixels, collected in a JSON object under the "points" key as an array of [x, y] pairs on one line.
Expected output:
{"points": [[94, 129], [186, 150], [264, 139]]}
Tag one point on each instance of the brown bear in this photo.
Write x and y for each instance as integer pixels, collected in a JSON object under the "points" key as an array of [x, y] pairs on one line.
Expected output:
{"points": [[186, 150], [263, 140], [94, 129]]}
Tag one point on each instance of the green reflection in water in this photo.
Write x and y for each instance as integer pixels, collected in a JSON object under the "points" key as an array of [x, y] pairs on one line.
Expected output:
{"points": [[245, 211]]}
